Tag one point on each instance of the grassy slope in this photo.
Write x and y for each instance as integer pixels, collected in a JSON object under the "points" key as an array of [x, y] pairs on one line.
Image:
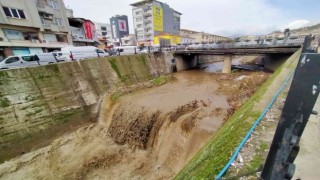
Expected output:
{"points": [[216, 153]]}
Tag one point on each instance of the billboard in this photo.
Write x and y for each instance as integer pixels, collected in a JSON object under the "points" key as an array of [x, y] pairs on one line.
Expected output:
{"points": [[123, 25], [90, 29], [157, 18], [174, 39]]}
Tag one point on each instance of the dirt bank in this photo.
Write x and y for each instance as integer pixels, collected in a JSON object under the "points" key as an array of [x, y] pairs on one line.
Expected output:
{"points": [[148, 134]]}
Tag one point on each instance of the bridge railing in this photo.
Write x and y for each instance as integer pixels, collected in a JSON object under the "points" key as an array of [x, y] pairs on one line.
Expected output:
{"points": [[294, 41]]}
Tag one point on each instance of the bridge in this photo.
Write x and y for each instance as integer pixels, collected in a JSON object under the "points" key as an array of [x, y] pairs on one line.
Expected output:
{"points": [[253, 50], [230, 51]]}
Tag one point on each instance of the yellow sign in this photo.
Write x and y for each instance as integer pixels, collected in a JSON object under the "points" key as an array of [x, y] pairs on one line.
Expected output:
{"points": [[157, 18], [174, 40]]}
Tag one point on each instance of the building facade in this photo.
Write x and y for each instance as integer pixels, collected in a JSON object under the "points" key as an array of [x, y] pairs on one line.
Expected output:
{"points": [[104, 35], [119, 28], [129, 40], [153, 19], [32, 26], [202, 37], [83, 32], [187, 40]]}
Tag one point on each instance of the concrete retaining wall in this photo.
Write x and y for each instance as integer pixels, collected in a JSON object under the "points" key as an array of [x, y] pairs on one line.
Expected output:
{"points": [[40, 103]]}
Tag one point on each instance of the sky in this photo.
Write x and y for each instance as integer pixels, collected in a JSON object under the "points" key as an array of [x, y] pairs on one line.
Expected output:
{"points": [[220, 17]]}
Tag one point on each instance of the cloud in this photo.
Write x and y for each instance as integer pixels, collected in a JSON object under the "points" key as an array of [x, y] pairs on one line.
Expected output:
{"points": [[222, 17], [297, 24]]}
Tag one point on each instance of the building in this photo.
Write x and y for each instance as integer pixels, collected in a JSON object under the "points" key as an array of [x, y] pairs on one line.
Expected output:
{"points": [[83, 31], [32, 26], [119, 28], [104, 34], [187, 40], [154, 20], [129, 40], [202, 37]]}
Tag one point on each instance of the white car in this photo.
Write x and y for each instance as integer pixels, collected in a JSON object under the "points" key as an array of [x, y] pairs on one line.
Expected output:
{"points": [[27, 60]]}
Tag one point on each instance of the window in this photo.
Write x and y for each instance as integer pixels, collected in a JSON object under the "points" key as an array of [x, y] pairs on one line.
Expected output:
{"points": [[103, 28], [13, 34], [58, 21], [14, 13], [100, 51], [138, 12], [139, 25], [61, 38], [50, 37], [30, 58], [21, 13], [12, 60], [139, 19], [53, 4], [104, 33]]}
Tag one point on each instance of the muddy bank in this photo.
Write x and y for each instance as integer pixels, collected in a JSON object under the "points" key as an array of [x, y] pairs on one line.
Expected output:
{"points": [[148, 134]]}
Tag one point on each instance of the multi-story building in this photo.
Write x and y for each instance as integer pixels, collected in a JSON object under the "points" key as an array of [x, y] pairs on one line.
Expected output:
{"points": [[187, 40], [32, 26], [154, 20], [202, 37], [119, 28], [83, 31], [104, 34]]}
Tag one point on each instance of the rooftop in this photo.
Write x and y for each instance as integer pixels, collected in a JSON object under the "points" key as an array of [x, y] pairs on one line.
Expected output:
{"points": [[143, 2]]}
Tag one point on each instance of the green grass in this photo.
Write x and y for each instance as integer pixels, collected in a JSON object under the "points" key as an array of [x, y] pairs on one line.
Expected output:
{"points": [[4, 102], [208, 162], [114, 66], [257, 160], [160, 80]]}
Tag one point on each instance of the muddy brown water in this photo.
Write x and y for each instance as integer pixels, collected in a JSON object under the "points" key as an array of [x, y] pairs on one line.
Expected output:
{"points": [[148, 134]]}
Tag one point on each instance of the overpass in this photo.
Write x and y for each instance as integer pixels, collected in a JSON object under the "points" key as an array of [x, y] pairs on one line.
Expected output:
{"points": [[230, 51]]}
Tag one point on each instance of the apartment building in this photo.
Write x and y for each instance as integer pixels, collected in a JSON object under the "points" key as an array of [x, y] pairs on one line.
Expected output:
{"points": [[104, 35], [154, 20], [32, 26], [202, 37]]}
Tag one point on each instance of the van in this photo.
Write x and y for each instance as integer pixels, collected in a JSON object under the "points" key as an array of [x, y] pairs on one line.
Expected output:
{"points": [[27, 60], [81, 52], [126, 49]]}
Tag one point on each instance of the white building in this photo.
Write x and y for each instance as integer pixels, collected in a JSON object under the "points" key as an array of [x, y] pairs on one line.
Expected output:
{"points": [[103, 32], [187, 40]]}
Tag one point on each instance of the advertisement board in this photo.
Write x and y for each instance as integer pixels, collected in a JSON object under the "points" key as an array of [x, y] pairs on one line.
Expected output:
{"points": [[89, 29], [123, 25], [158, 18]]}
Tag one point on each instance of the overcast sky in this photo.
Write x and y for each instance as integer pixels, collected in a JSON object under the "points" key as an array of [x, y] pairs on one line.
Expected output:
{"points": [[221, 17]]}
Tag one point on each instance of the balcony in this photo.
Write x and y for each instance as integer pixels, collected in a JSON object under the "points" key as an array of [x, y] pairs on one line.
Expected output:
{"points": [[147, 20], [147, 28], [42, 6], [147, 13]]}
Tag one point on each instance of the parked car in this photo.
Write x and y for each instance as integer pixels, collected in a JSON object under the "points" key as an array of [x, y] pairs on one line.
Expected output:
{"points": [[81, 52], [27, 60]]}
